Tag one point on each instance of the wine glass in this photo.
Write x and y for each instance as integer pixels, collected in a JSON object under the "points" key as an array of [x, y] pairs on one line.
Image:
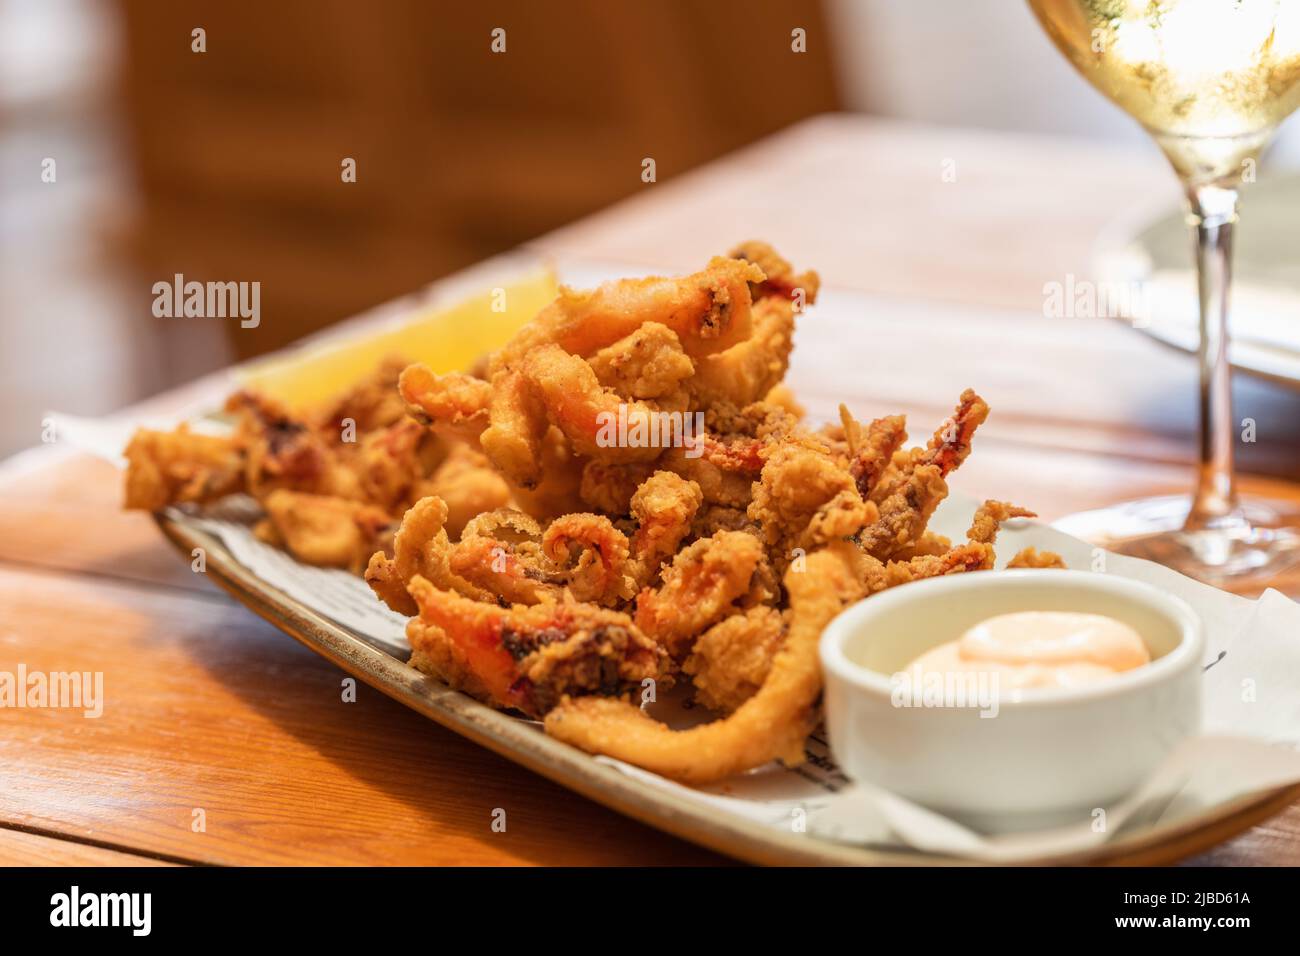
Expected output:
{"points": [[1210, 80]]}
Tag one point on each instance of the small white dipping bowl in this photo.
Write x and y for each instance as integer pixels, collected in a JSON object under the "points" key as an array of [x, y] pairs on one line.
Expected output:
{"points": [[1048, 756]]}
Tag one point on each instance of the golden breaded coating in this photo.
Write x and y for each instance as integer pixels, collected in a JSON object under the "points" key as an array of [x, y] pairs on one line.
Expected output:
{"points": [[468, 485], [730, 661], [649, 363], [324, 531], [177, 467], [1033, 558]]}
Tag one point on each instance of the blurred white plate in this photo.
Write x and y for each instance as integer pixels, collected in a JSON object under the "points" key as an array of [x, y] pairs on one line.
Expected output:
{"points": [[1156, 258]]}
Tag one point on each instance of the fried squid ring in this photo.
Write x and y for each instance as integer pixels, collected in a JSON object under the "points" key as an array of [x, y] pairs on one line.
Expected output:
{"points": [[598, 422], [772, 724], [750, 369], [593, 555], [513, 440], [708, 311]]}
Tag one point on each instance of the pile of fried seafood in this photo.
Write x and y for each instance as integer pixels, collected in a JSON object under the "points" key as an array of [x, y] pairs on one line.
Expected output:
{"points": [[570, 578]]}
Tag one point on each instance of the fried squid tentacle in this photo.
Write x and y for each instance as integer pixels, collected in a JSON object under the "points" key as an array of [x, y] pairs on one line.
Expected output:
{"points": [[387, 463], [500, 554], [699, 588], [948, 447], [772, 724], [507, 572], [951, 444], [281, 451], [972, 556], [904, 514], [986, 523], [872, 450], [930, 543], [529, 658], [975, 555], [908, 496], [989, 517], [420, 547]]}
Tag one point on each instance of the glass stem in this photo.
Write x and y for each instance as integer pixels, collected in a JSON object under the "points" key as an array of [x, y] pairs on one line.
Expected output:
{"points": [[1212, 218]]}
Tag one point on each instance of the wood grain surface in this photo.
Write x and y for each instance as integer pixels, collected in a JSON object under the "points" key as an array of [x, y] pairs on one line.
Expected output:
{"points": [[939, 285]]}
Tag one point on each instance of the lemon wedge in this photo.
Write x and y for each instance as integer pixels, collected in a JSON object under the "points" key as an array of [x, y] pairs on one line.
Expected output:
{"points": [[447, 338]]}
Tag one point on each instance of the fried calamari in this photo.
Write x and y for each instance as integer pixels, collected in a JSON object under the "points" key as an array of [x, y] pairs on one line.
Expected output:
{"points": [[623, 498]]}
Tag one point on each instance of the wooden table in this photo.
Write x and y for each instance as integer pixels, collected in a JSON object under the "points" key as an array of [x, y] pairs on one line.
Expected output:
{"points": [[208, 708]]}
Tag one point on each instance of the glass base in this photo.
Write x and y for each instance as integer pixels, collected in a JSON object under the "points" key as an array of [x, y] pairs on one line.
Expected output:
{"points": [[1245, 552]]}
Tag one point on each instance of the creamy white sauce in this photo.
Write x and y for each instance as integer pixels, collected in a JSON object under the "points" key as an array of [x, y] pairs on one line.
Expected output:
{"points": [[1041, 649]]}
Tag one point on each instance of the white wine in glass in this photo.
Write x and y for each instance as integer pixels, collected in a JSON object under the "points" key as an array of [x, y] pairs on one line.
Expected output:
{"points": [[1210, 80]]}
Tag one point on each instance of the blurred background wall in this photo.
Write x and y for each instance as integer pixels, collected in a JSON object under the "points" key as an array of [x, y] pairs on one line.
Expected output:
{"points": [[225, 164], [460, 152]]}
